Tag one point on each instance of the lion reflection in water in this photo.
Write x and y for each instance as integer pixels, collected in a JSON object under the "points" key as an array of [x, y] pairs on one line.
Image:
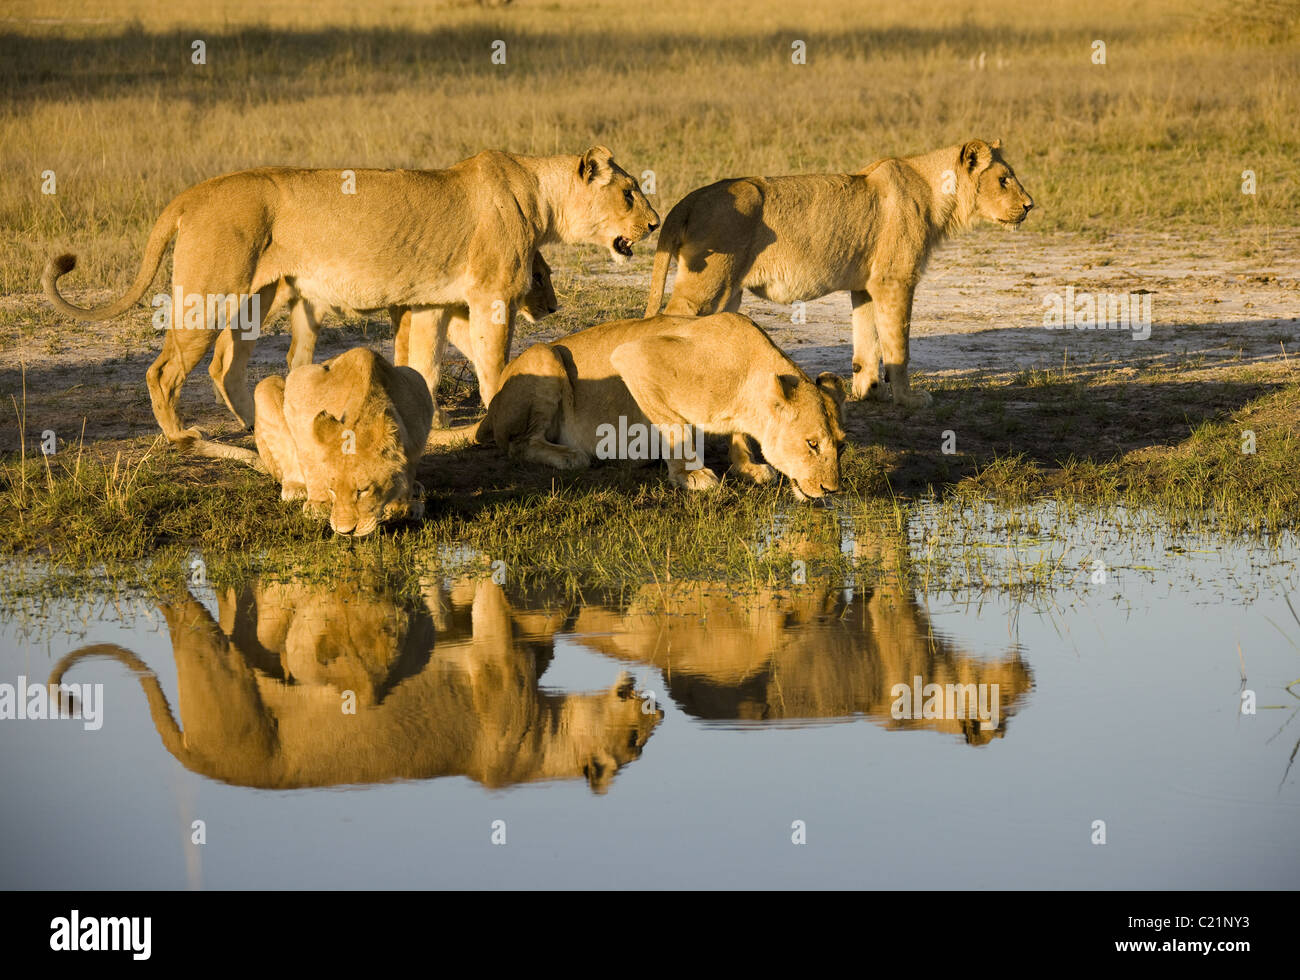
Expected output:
{"points": [[800, 654], [450, 688]]}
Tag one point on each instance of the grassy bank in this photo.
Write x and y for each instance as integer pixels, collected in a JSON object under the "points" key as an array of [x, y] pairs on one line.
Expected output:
{"points": [[141, 514]]}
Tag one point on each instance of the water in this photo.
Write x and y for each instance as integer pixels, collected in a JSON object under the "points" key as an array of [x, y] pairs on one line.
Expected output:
{"points": [[683, 734]]}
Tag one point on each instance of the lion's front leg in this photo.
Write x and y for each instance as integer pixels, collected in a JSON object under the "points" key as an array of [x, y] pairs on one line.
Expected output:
{"points": [[893, 302], [867, 382], [741, 453]]}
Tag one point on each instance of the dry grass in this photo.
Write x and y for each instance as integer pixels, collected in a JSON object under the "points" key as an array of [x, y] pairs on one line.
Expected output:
{"points": [[1158, 136]]}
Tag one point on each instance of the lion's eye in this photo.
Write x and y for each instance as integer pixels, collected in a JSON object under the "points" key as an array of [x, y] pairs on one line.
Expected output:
{"points": [[1003, 182], [812, 444], [627, 197]]}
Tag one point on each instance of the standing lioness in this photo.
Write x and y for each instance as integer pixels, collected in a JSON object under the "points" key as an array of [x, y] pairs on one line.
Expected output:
{"points": [[799, 238], [365, 240]]}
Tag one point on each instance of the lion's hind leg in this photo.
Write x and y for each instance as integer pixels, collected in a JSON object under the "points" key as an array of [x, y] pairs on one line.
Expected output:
{"points": [[275, 444], [527, 415]]}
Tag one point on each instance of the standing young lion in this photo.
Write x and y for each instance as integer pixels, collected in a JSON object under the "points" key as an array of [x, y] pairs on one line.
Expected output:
{"points": [[364, 240], [799, 238]]}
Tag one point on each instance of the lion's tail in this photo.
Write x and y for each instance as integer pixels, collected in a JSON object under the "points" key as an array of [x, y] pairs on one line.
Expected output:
{"points": [[161, 711], [460, 435], [670, 239], [219, 450], [164, 230]]}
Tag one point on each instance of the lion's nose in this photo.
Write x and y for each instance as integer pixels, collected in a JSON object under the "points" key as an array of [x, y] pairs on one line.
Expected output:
{"points": [[1029, 204], [652, 226]]}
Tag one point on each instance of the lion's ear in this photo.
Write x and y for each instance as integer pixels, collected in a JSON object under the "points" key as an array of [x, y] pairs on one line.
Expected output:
{"points": [[833, 385], [596, 161], [784, 387], [326, 429], [975, 154], [995, 145]]}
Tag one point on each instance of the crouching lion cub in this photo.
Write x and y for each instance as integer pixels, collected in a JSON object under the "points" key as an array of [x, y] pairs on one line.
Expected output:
{"points": [[599, 392], [871, 232], [346, 434]]}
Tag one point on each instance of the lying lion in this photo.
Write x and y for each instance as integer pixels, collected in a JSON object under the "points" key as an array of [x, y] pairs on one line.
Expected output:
{"points": [[799, 238], [564, 403], [364, 240], [346, 434]]}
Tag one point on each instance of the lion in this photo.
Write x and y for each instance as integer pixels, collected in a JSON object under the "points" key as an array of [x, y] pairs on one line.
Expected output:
{"points": [[448, 687], [346, 435], [562, 403], [364, 240], [433, 327], [798, 238]]}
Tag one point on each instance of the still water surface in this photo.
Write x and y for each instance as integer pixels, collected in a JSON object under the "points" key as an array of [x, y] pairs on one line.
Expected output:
{"points": [[683, 734]]}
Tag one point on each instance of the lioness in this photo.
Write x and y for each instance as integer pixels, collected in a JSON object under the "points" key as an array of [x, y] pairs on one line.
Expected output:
{"points": [[409, 238], [259, 687], [798, 238], [345, 434], [560, 403], [432, 328]]}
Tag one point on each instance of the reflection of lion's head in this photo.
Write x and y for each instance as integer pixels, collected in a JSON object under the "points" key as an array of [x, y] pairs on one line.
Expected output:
{"points": [[990, 186], [608, 730], [606, 206], [805, 440]]}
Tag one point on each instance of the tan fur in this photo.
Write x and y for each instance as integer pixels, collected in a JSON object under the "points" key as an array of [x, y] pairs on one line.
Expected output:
{"points": [[406, 238], [346, 435], [798, 238], [721, 374], [450, 688], [816, 651], [432, 328]]}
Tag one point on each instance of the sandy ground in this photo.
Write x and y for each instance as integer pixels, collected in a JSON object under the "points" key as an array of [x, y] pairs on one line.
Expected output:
{"points": [[979, 313]]}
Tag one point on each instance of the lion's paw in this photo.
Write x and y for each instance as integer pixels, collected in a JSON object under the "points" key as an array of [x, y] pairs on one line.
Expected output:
{"points": [[916, 398], [701, 479], [316, 509], [756, 472]]}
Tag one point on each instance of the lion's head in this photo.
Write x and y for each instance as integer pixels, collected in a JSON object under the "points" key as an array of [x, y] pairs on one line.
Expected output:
{"points": [[606, 206], [998, 195], [540, 299], [805, 440], [365, 467], [608, 730]]}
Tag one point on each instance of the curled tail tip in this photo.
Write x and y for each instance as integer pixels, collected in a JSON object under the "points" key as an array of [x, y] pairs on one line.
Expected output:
{"points": [[60, 265]]}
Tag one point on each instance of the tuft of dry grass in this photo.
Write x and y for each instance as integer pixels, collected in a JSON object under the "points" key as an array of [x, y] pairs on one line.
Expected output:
{"points": [[1159, 135]]}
